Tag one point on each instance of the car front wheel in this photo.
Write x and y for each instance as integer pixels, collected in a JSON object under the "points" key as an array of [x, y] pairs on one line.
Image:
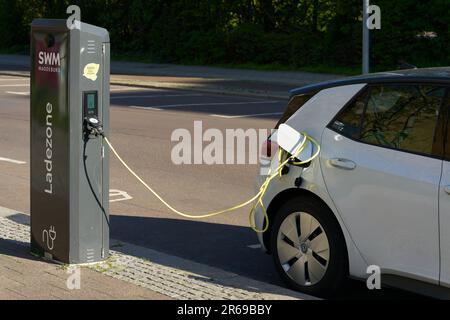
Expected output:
{"points": [[308, 247]]}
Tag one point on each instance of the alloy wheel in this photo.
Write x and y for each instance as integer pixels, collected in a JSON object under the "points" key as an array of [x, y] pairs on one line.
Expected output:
{"points": [[303, 248]]}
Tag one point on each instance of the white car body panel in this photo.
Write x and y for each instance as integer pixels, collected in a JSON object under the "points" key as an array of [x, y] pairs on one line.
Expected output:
{"points": [[315, 114], [398, 228], [444, 212], [312, 118]]}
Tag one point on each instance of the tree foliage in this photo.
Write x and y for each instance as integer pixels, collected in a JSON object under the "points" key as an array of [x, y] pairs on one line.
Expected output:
{"points": [[288, 32]]}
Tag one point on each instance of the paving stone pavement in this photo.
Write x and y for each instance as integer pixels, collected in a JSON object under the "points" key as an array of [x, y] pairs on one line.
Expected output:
{"points": [[160, 273], [24, 277]]}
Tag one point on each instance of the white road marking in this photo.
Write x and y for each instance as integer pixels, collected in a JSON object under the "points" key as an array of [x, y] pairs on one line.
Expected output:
{"points": [[12, 161], [119, 194], [19, 93], [15, 85], [14, 79], [255, 246], [145, 108], [246, 115], [129, 89], [157, 96], [213, 104]]}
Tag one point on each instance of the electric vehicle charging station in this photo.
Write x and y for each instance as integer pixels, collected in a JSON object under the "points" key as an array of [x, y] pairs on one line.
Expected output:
{"points": [[69, 162]]}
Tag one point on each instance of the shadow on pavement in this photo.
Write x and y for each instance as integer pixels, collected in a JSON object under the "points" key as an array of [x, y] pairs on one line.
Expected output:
{"points": [[224, 247], [221, 246], [16, 249]]}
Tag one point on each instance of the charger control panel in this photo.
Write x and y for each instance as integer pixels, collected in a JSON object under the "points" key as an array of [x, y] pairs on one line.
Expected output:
{"points": [[90, 104]]}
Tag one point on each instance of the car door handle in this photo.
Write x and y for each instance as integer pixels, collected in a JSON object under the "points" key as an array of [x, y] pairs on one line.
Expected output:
{"points": [[447, 189], [343, 163]]}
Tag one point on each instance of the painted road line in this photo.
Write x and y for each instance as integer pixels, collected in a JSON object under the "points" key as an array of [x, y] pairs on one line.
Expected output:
{"points": [[247, 115], [157, 96], [118, 89], [168, 106], [118, 195], [255, 246], [145, 108], [19, 93], [15, 85], [14, 79], [12, 161]]}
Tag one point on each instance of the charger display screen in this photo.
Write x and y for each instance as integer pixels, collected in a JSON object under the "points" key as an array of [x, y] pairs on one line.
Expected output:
{"points": [[90, 103]]}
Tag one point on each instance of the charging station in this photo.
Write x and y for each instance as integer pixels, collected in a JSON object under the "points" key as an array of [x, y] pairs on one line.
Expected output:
{"points": [[69, 163]]}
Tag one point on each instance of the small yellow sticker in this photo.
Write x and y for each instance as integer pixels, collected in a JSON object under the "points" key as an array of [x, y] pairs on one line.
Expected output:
{"points": [[90, 71]]}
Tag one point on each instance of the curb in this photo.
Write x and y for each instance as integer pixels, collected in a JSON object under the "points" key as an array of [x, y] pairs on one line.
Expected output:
{"points": [[182, 86], [200, 88], [23, 74]]}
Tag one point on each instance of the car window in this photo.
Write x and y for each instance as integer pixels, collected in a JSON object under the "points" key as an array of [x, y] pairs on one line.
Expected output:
{"points": [[348, 122], [294, 104], [403, 117]]}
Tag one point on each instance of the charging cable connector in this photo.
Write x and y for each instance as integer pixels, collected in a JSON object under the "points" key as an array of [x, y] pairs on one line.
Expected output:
{"points": [[93, 126]]}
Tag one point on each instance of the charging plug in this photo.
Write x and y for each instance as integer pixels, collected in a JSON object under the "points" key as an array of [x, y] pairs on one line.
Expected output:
{"points": [[93, 126]]}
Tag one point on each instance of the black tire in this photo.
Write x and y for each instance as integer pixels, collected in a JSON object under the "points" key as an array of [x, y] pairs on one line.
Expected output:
{"points": [[337, 265]]}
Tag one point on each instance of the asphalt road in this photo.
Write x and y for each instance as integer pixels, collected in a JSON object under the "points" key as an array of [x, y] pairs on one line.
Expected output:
{"points": [[142, 122]]}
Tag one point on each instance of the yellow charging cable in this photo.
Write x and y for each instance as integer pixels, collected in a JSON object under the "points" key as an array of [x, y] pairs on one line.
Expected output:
{"points": [[257, 199]]}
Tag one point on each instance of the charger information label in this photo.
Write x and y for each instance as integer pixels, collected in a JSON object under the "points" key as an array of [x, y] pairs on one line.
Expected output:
{"points": [[90, 71]]}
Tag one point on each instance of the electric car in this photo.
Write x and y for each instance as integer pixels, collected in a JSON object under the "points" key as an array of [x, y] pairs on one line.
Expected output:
{"points": [[377, 198]]}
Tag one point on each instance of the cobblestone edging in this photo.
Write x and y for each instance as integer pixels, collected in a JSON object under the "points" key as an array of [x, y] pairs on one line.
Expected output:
{"points": [[174, 283], [10, 229], [172, 276]]}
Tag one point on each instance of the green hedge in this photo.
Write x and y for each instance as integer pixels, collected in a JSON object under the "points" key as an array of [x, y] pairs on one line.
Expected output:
{"points": [[282, 32]]}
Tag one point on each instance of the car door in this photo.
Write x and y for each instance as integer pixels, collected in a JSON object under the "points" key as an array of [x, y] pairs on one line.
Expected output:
{"points": [[444, 207], [382, 161]]}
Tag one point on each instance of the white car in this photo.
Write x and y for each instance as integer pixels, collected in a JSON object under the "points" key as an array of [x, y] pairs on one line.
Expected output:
{"points": [[378, 195]]}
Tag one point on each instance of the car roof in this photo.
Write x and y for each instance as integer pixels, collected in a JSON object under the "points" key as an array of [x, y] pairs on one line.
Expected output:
{"points": [[431, 75]]}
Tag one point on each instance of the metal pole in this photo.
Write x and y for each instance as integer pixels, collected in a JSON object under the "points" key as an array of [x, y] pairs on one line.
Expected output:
{"points": [[365, 40]]}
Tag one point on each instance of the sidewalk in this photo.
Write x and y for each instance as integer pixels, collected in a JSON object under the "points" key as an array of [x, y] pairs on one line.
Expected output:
{"points": [[131, 272], [24, 277], [273, 84]]}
